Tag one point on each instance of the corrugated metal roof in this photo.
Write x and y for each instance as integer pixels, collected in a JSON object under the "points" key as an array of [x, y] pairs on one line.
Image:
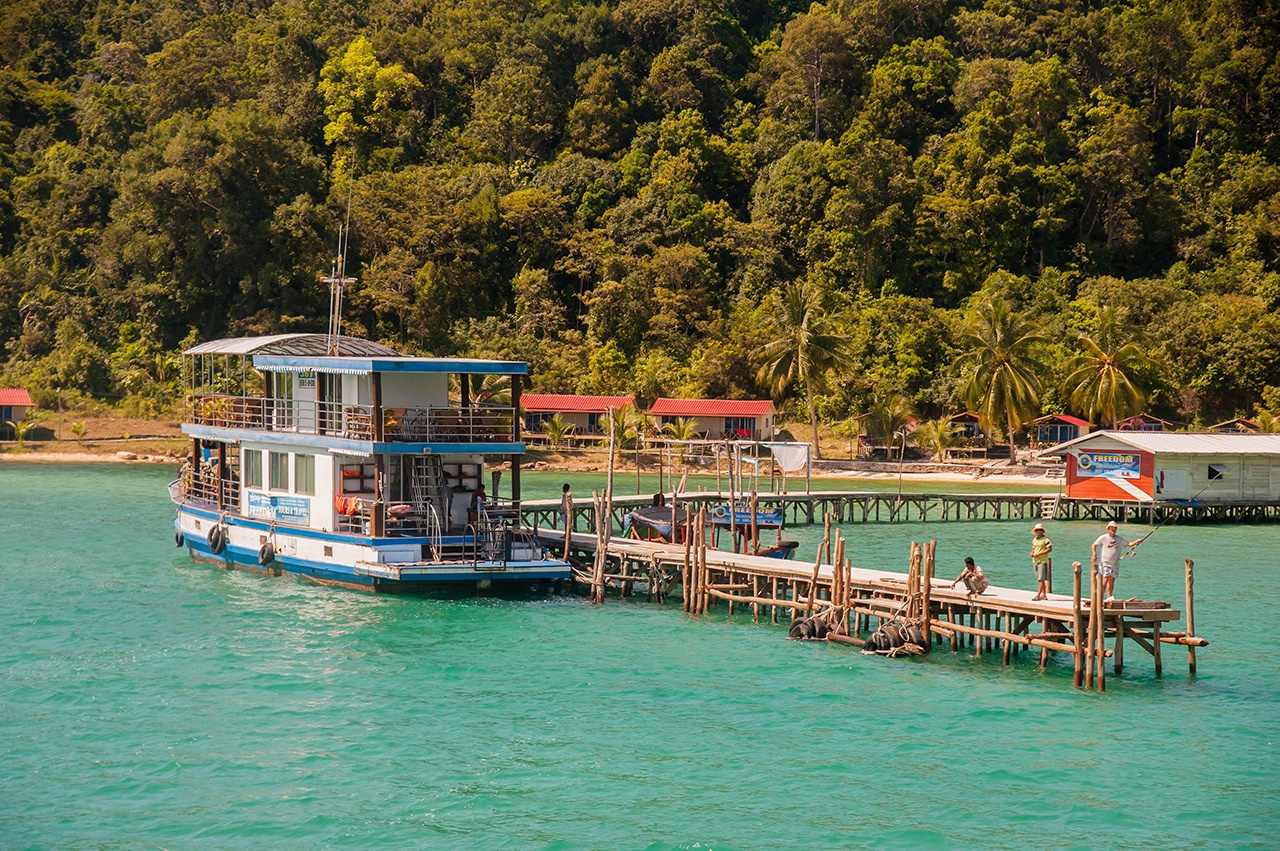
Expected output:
{"points": [[15, 397], [298, 345], [539, 403], [710, 408], [1181, 443]]}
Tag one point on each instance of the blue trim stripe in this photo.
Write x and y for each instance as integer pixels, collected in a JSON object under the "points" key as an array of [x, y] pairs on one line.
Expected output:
{"points": [[448, 366], [233, 556], [342, 444]]}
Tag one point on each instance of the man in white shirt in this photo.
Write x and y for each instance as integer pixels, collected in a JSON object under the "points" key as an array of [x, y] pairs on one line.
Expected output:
{"points": [[1107, 552]]}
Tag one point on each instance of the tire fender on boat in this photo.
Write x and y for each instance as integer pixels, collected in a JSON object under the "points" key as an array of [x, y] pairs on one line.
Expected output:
{"points": [[217, 539], [266, 554], [177, 538]]}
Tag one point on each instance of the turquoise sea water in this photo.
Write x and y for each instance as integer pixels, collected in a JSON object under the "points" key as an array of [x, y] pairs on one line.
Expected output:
{"points": [[146, 701]]}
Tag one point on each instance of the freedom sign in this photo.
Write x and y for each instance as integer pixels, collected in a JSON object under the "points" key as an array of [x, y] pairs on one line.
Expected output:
{"points": [[1110, 465]]}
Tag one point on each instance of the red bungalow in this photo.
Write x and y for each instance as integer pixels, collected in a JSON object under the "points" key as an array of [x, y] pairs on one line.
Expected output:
{"points": [[14, 404], [747, 419], [588, 414], [1059, 428], [1239, 425]]}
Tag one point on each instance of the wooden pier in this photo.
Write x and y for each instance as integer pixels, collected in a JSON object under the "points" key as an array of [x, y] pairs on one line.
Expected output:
{"points": [[807, 508], [864, 607], [881, 507]]}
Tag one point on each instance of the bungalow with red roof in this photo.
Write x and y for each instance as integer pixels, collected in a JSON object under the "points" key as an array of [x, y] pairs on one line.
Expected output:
{"points": [[14, 404], [589, 415], [1058, 428], [1238, 425], [715, 419]]}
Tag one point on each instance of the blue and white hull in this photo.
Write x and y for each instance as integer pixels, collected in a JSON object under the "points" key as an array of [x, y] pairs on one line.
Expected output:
{"points": [[393, 564]]}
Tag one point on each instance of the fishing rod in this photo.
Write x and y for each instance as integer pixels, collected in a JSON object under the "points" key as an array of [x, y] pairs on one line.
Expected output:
{"points": [[1161, 525]]}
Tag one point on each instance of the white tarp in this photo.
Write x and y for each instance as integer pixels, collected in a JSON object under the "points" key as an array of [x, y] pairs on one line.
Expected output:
{"points": [[791, 457]]}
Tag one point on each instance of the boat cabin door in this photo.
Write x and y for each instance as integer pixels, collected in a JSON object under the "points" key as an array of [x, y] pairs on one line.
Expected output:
{"points": [[281, 400]]}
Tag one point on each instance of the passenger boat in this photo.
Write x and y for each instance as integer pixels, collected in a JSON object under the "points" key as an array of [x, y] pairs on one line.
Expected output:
{"points": [[341, 460]]}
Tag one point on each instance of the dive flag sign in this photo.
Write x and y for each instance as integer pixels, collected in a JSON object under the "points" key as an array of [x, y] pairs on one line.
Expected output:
{"points": [[1110, 465]]}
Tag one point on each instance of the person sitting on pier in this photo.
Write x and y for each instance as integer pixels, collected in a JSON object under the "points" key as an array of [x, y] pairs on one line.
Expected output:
{"points": [[972, 576], [1106, 557]]}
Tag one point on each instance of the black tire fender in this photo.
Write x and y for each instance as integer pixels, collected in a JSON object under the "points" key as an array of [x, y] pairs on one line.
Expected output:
{"points": [[178, 539], [217, 539], [266, 554]]}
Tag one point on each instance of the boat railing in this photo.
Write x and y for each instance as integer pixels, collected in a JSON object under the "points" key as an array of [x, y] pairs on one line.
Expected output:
{"points": [[203, 485], [489, 424]]}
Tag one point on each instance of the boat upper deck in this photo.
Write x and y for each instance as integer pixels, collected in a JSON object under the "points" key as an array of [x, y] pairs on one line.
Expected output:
{"points": [[287, 386]]}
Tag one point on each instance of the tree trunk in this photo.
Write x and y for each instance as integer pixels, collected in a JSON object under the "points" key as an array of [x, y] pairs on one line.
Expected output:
{"points": [[813, 419], [1013, 452]]}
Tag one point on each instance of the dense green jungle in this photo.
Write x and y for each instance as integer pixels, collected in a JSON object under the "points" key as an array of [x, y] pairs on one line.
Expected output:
{"points": [[909, 206]]}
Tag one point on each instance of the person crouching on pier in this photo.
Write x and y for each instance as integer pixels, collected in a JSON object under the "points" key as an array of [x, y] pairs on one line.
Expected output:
{"points": [[1107, 552], [1041, 546], [972, 577]]}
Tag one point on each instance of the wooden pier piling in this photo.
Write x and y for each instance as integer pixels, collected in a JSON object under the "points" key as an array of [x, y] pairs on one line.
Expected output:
{"points": [[852, 600]]}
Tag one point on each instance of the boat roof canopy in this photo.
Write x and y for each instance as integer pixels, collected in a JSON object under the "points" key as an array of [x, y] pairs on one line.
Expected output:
{"points": [[292, 344], [306, 352], [360, 365]]}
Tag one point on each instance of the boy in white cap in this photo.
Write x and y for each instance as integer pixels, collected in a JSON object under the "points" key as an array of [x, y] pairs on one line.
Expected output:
{"points": [[1041, 546], [1106, 557]]}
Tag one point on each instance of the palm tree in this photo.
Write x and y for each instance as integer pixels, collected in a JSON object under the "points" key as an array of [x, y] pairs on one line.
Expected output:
{"points": [[889, 417], [938, 436], [20, 429], [556, 429], [1268, 423], [802, 347], [1002, 373], [78, 431], [1103, 379], [682, 428]]}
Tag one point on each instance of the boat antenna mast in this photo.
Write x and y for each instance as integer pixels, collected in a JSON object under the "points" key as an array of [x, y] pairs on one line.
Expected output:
{"points": [[337, 280]]}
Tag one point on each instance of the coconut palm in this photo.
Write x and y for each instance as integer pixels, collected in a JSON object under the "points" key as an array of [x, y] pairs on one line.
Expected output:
{"points": [[681, 428], [888, 419], [1002, 374], [938, 436], [803, 345], [557, 430], [1103, 381], [20, 429], [1268, 423]]}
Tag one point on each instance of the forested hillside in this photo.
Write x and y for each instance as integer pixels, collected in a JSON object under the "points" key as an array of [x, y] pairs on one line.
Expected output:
{"points": [[639, 195]]}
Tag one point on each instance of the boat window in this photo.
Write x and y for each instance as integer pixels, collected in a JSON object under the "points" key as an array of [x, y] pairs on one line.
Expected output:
{"points": [[279, 470], [304, 474], [252, 468]]}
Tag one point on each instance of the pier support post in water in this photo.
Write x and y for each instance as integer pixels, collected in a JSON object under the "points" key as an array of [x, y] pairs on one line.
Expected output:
{"points": [[1191, 618], [1076, 638]]}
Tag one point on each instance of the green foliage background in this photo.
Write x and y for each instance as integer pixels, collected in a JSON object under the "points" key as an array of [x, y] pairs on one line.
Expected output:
{"points": [[614, 191]]}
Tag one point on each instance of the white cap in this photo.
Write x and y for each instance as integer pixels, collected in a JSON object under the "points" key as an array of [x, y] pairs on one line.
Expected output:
{"points": [[1113, 525]]}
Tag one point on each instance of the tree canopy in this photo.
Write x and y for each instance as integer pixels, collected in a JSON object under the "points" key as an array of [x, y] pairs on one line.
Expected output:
{"points": [[621, 192]]}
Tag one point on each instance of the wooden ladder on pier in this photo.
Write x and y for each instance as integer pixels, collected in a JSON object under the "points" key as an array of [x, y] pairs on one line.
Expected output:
{"points": [[1049, 507]]}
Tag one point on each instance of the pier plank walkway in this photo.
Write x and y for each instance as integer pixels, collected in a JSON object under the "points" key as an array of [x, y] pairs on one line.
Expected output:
{"points": [[1000, 619]]}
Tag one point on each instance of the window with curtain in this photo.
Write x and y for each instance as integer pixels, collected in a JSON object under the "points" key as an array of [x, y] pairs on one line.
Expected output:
{"points": [[252, 463], [304, 474], [279, 462]]}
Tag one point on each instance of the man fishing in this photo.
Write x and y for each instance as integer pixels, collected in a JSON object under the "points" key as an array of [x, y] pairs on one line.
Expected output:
{"points": [[1108, 549]]}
